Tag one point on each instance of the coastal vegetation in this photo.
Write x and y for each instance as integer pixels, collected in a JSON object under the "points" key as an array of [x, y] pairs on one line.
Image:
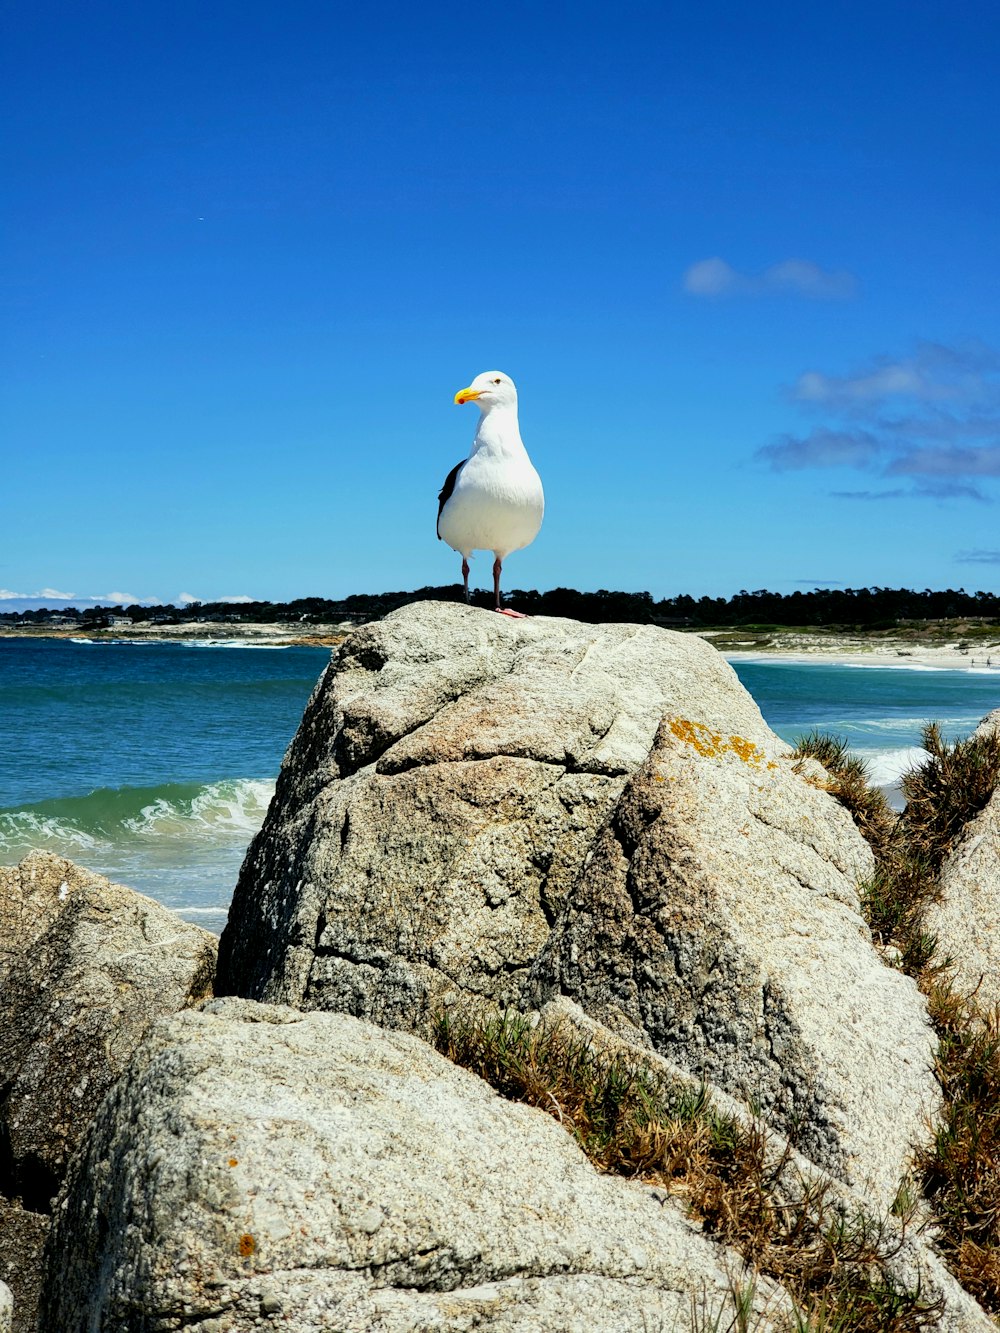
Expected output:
{"points": [[869, 610], [732, 1181], [960, 1171]]}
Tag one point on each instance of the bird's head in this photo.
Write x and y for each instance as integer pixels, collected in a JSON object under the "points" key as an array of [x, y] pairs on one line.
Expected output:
{"points": [[490, 389]]}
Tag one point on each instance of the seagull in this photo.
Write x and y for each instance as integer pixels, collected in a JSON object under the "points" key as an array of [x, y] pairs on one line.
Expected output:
{"points": [[492, 500]]}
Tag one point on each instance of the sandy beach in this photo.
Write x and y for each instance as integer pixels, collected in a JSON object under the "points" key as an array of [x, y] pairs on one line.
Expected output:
{"points": [[856, 650], [273, 636]]}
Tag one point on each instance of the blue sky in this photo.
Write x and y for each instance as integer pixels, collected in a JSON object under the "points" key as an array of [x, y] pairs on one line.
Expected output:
{"points": [[743, 263]]}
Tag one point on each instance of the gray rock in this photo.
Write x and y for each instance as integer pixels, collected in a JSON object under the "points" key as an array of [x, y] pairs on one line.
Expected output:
{"points": [[22, 1240], [441, 795], [460, 782], [6, 1309], [719, 916], [87, 966], [257, 1164], [964, 917]]}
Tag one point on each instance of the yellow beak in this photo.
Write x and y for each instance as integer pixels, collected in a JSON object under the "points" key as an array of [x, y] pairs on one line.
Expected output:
{"points": [[466, 395]]}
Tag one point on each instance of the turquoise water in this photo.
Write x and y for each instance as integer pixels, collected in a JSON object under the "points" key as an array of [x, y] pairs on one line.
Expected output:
{"points": [[881, 711], [151, 763], [154, 763]]}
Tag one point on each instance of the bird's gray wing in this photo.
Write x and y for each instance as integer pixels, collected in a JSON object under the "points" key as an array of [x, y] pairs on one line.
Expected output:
{"points": [[444, 495]]}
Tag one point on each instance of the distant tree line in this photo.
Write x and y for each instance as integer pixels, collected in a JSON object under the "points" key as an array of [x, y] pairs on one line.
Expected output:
{"points": [[863, 608]]}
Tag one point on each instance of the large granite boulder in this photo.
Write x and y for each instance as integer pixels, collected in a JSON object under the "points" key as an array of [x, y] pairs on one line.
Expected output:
{"points": [[965, 913], [439, 800], [258, 1167], [462, 784], [718, 918], [85, 967]]}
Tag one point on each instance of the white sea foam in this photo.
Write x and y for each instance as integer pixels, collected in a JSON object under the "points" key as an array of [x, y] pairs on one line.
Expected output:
{"points": [[226, 813], [886, 767], [21, 829], [230, 809], [896, 666], [234, 643]]}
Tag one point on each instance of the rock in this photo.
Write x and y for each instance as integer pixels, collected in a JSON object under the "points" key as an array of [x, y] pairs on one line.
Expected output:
{"points": [[441, 795], [6, 1308], [461, 783], [719, 916], [964, 916], [256, 1163], [22, 1240], [87, 966]]}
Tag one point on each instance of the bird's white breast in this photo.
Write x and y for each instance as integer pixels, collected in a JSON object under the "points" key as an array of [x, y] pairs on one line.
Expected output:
{"points": [[497, 504]]}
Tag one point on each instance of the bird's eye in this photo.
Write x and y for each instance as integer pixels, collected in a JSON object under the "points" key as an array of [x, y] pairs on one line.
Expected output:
{"points": [[496, 381]]}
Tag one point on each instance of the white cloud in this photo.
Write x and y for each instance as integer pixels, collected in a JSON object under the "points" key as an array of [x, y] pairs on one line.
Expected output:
{"points": [[187, 598], [119, 599], [5, 594], [790, 277]]}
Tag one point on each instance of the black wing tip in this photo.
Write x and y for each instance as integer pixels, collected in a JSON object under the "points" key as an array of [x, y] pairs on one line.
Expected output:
{"points": [[444, 495]]}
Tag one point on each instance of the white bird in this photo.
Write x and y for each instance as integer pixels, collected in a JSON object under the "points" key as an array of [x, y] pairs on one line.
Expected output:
{"points": [[492, 500]]}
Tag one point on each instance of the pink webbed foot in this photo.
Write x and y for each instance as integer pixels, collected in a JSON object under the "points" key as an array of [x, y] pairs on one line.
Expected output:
{"points": [[506, 611]]}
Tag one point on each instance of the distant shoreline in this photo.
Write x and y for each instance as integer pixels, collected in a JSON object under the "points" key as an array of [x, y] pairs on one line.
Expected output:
{"points": [[274, 636], [792, 646]]}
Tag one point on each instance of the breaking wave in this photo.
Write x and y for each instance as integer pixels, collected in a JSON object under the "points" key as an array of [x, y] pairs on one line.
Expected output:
{"points": [[228, 812]]}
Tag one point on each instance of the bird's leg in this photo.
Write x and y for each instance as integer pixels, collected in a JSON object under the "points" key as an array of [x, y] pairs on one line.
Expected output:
{"points": [[504, 611], [465, 576]]}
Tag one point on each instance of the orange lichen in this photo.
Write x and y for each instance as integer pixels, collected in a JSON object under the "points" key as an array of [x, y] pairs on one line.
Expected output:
{"points": [[233, 1161], [712, 744], [247, 1245]]}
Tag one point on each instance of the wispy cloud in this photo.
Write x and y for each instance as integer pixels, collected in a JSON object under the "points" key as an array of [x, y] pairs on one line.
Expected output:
{"points": [[821, 448], [898, 494], [187, 598], [6, 594], [118, 599], [933, 374], [948, 462], [978, 557], [791, 277], [932, 415]]}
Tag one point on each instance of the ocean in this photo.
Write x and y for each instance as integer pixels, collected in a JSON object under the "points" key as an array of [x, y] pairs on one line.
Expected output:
{"points": [[153, 763]]}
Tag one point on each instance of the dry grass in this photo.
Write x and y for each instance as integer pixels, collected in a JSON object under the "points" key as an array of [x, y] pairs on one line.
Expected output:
{"points": [[631, 1123], [960, 1172]]}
